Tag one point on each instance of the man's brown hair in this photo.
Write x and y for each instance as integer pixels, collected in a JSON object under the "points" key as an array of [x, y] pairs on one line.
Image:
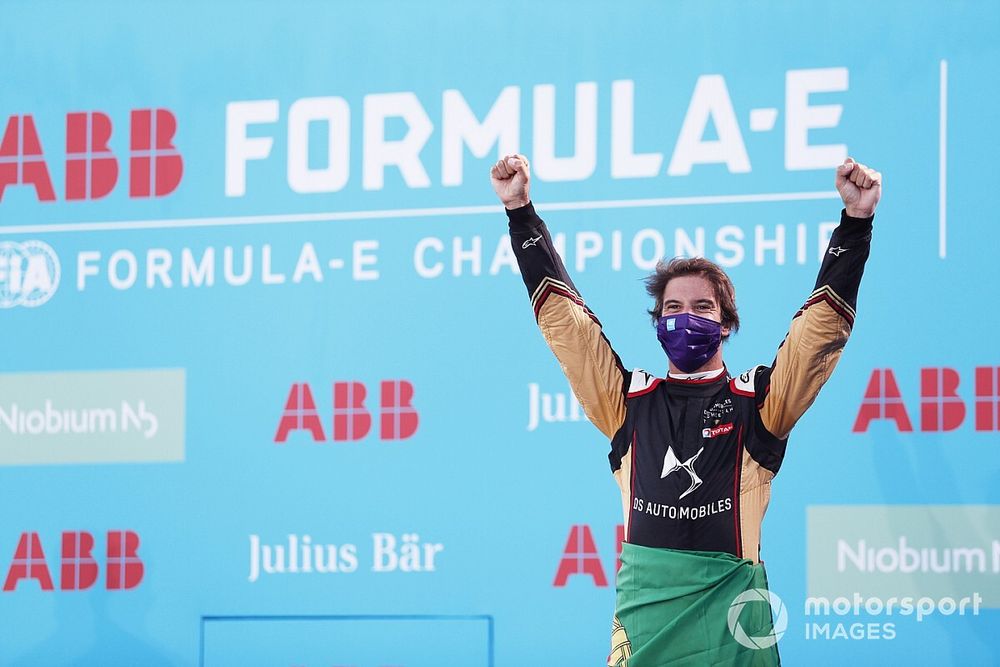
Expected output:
{"points": [[725, 294]]}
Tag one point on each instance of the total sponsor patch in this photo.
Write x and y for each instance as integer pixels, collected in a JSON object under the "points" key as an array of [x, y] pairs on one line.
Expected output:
{"points": [[716, 431]]}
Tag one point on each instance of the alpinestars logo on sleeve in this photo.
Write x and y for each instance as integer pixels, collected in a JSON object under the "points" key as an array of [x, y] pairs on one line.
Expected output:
{"points": [[672, 463]]}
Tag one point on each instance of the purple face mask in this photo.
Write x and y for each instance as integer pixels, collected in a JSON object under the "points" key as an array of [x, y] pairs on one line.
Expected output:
{"points": [[689, 340]]}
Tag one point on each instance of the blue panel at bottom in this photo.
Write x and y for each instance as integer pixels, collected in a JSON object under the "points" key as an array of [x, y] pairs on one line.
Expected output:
{"points": [[347, 641]]}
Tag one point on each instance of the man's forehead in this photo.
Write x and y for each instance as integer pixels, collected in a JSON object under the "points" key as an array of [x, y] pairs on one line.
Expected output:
{"points": [[689, 288]]}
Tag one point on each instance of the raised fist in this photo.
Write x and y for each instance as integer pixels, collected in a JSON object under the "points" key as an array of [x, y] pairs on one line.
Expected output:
{"points": [[859, 187], [511, 180]]}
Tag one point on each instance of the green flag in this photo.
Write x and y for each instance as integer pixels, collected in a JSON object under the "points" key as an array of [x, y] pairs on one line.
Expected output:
{"points": [[689, 608]]}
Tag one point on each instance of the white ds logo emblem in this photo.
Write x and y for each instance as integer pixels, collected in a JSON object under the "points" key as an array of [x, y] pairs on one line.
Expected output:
{"points": [[29, 273], [672, 463]]}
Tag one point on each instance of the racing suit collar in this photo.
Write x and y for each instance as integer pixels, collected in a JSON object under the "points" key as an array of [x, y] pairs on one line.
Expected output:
{"points": [[704, 377]]}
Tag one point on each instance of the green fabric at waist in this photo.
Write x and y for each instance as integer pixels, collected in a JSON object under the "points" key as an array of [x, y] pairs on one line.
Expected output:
{"points": [[674, 608]]}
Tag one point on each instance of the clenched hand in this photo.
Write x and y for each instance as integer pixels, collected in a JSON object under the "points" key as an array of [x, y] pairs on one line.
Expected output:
{"points": [[859, 187], [511, 179]]}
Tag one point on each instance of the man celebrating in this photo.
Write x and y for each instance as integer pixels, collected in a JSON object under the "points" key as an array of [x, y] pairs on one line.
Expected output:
{"points": [[693, 453]]}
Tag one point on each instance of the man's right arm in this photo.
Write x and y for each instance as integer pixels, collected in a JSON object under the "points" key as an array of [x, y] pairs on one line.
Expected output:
{"points": [[571, 330]]}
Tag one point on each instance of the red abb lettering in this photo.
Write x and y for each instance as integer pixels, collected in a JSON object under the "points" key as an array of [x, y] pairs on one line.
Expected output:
{"points": [[351, 420], [941, 409], [28, 563], [988, 398], [300, 413], [91, 168], [580, 557], [79, 569], [399, 418], [21, 158], [124, 567], [155, 165], [882, 401]]}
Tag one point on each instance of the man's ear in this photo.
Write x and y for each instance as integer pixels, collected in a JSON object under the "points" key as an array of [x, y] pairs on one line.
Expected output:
{"points": [[725, 332]]}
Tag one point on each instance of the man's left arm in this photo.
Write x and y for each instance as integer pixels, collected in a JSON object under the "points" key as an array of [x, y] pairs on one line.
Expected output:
{"points": [[820, 329]]}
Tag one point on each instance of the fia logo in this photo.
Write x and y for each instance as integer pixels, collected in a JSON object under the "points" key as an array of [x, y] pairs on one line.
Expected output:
{"points": [[29, 273]]}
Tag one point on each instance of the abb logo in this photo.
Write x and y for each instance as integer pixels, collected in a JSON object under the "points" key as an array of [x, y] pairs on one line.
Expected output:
{"points": [[941, 407], [123, 568], [155, 167], [398, 419], [580, 556]]}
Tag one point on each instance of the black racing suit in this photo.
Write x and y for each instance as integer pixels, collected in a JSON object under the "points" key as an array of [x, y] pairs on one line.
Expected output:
{"points": [[694, 459]]}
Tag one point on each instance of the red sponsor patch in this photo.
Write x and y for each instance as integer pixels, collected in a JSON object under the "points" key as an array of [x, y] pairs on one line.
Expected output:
{"points": [[721, 429]]}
